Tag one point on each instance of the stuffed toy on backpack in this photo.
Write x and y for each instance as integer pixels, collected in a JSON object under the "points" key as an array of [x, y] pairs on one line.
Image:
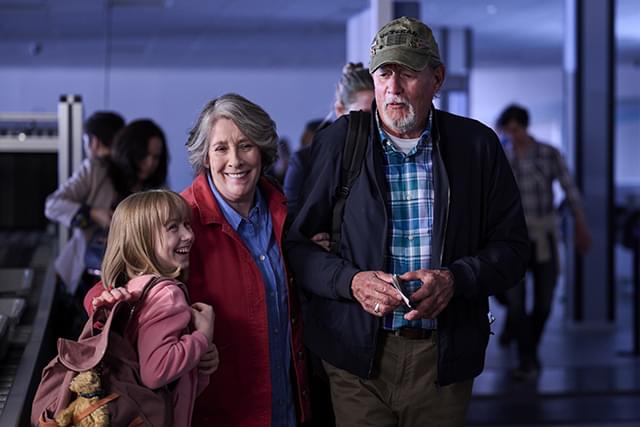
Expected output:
{"points": [[85, 410]]}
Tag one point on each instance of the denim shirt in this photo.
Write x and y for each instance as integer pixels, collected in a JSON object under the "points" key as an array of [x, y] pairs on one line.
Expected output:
{"points": [[257, 233]]}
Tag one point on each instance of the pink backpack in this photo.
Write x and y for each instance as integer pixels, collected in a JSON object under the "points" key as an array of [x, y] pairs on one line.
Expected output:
{"points": [[111, 354]]}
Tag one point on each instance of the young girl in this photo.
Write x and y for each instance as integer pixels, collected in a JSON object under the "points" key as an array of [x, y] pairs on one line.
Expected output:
{"points": [[150, 236]]}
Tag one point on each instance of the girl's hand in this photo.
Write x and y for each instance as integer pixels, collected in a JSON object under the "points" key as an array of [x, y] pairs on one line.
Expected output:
{"points": [[209, 361], [110, 297], [203, 318]]}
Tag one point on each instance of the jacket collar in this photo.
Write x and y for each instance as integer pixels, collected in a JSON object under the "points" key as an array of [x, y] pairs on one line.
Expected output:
{"points": [[435, 128], [210, 212]]}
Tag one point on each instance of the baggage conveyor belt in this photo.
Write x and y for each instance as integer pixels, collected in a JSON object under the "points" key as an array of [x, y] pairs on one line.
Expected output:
{"points": [[30, 341]]}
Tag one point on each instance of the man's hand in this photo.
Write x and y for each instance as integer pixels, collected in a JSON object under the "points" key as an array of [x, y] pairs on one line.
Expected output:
{"points": [[434, 294], [374, 292], [582, 236]]}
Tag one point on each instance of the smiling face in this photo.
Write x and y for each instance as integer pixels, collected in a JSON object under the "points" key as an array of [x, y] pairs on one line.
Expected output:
{"points": [[173, 243], [235, 163], [403, 97]]}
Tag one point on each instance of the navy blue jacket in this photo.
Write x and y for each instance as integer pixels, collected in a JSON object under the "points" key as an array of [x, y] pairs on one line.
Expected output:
{"points": [[479, 233], [299, 166]]}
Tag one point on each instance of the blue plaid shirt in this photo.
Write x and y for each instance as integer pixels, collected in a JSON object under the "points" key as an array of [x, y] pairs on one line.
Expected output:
{"points": [[410, 201], [257, 233]]}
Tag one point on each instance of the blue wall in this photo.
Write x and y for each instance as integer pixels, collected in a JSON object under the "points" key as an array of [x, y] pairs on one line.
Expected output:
{"points": [[174, 98]]}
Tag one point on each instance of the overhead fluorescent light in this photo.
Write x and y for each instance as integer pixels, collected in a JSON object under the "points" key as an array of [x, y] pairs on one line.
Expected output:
{"points": [[125, 3], [21, 5]]}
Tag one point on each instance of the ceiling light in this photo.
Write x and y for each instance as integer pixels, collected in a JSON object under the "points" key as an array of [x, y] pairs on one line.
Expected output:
{"points": [[124, 3]]}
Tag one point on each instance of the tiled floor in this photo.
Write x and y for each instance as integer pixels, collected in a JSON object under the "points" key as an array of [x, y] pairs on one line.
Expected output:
{"points": [[588, 379]]}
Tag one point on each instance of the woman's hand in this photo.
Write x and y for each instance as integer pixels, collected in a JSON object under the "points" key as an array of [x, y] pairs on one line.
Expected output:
{"points": [[203, 319]]}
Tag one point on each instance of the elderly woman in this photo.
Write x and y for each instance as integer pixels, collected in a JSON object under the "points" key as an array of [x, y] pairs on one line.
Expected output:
{"points": [[237, 266]]}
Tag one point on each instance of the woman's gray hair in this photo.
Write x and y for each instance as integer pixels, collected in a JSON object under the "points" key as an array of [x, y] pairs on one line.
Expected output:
{"points": [[355, 78], [250, 118]]}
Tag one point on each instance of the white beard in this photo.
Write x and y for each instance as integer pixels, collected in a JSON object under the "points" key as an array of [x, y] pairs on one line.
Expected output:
{"points": [[404, 124]]}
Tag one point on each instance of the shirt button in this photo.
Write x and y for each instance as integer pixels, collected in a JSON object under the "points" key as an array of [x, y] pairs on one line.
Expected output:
{"points": [[262, 257], [276, 330], [410, 237]]}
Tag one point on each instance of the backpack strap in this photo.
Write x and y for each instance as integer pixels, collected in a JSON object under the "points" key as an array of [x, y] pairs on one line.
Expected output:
{"points": [[150, 285], [92, 407], [352, 158]]}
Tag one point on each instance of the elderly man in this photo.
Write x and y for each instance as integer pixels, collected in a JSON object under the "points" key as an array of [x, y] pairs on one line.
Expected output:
{"points": [[436, 203]]}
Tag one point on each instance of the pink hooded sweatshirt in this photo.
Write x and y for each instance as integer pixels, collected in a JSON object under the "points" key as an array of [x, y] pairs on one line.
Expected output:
{"points": [[166, 349]]}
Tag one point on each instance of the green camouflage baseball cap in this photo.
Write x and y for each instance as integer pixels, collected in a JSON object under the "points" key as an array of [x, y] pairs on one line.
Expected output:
{"points": [[404, 41]]}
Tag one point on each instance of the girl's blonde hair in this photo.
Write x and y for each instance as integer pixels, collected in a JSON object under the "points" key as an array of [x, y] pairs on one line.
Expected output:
{"points": [[135, 224]]}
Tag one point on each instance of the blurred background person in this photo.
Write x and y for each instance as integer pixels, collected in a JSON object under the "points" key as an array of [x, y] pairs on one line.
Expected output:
{"points": [[354, 92], [298, 165], [310, 129], [279, 169], [139, 159], [536, 166], [85, 203], [99, 131]]}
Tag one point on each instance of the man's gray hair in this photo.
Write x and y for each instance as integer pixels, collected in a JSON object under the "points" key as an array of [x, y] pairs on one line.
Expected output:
{"points": [[250, 118]]}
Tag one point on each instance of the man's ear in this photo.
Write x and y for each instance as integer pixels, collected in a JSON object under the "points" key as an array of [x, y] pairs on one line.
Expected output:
{"points": [[439, 74]]}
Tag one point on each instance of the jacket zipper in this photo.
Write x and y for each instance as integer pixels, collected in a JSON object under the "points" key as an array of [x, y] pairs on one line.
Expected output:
{"points": [[444, 237], [446, 221]]}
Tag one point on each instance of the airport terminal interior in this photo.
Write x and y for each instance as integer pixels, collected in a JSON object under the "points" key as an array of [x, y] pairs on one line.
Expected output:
{"points": [[574, 64]]}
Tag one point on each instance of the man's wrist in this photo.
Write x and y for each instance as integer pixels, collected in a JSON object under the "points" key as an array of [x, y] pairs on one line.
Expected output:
{"points": [[447, 273]]}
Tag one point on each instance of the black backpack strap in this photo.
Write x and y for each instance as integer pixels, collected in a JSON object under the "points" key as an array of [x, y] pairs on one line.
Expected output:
{"points": [[352, 157]]}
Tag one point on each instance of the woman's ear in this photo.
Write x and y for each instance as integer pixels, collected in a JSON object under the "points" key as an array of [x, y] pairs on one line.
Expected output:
{"points": [[339, 109]]}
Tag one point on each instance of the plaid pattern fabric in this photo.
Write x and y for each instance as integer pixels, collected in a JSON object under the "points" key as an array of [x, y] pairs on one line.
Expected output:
{"points": [[535, 173], [410, 202]]}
